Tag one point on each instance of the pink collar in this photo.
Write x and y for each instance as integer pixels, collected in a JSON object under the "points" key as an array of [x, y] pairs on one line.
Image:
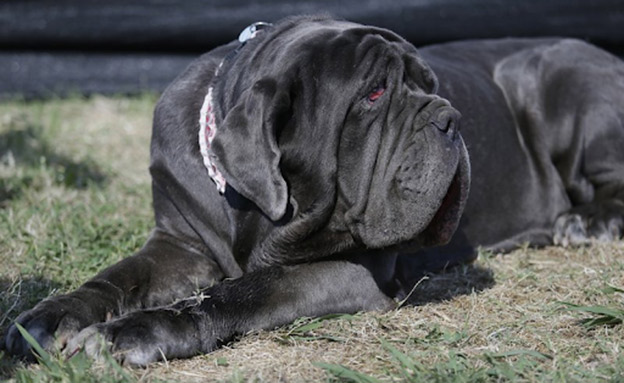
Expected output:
{"points": [[207, 131]]}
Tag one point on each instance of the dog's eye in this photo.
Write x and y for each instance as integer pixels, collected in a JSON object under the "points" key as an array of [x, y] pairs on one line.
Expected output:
{"points": [[376, 93]]}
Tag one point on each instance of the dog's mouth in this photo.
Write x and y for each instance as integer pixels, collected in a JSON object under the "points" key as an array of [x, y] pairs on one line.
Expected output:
{"points": [[422, 202], [444, 223]]}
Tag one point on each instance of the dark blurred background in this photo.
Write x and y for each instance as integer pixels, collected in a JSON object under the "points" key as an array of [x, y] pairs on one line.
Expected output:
{"points": [[61, 47]]}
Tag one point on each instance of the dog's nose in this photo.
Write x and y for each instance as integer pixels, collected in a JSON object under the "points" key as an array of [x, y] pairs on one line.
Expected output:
{"points": [[446, 119]]}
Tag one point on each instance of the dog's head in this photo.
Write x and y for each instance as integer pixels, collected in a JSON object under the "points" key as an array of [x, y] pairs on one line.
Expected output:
{"points": [[342, 122]]}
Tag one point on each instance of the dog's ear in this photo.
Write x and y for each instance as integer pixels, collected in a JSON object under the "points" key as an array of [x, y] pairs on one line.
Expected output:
{"points": [[246, 147], [419, 71]]}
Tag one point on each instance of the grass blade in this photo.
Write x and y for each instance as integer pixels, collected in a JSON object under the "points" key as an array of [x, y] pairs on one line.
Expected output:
{"points": [[315, 323], [406, 362], [346, 374], [602, 310], [511, 353], [609, 316], [612, 289], [42, 354]]}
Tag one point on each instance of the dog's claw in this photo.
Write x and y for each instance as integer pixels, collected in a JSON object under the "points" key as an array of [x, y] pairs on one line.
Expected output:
{"points": [[570, 230], [599, 223], [91, 340]]}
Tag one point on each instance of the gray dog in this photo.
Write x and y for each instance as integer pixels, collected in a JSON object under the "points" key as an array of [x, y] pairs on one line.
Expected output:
{"points": [[291, 169]]}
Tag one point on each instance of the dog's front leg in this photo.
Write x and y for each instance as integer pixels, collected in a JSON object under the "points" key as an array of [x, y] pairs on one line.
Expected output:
{"points": [[163, 271], [262, 299]]}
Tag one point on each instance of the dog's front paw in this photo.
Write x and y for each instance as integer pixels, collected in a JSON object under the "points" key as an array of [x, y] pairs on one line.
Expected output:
{"points": [[570, 230], [51, 323], [602, 221], [143, 337]]}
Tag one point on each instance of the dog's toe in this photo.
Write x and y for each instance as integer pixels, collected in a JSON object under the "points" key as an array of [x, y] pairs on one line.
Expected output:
{"points": [[570, 230]]}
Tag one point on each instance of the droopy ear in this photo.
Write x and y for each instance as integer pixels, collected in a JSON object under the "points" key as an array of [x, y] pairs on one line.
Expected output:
{"points": [[246, 147], [421, 72]]}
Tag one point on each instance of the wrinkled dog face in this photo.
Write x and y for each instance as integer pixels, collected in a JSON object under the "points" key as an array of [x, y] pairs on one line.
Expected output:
{"points": [[354, 125], [412, 167]]}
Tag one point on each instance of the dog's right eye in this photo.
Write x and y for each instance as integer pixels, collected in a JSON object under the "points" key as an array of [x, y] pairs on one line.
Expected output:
{"points": [[376, 93]]}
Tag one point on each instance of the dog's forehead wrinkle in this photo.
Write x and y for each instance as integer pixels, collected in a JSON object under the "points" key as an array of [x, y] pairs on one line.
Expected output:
{"points": [[337, 38], [344, 50]]}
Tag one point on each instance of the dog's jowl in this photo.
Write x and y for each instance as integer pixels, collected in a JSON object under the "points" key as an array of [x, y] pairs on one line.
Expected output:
{"points": [[317, 165]]}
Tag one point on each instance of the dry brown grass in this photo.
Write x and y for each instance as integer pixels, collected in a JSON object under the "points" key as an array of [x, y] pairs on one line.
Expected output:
{"points": [[519, 312]]}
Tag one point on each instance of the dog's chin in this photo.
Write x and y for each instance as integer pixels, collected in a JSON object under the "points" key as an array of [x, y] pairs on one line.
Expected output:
{"points": [[445, 221]]}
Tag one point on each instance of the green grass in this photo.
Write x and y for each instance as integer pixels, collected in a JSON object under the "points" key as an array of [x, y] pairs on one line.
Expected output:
{"points": [[75, 197], [459, 368], [78, 368], [512, 366], [610, 315]]}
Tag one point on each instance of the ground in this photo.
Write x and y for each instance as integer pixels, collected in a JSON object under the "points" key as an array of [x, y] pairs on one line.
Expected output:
{"points": [[75, 197]]}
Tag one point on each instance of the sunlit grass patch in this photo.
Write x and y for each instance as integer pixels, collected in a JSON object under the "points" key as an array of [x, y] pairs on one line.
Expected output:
{"points": [[74, 194]]}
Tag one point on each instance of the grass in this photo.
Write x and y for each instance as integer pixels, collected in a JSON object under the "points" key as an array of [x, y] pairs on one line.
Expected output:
{"points": [[77, 369], [75, 197]]}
